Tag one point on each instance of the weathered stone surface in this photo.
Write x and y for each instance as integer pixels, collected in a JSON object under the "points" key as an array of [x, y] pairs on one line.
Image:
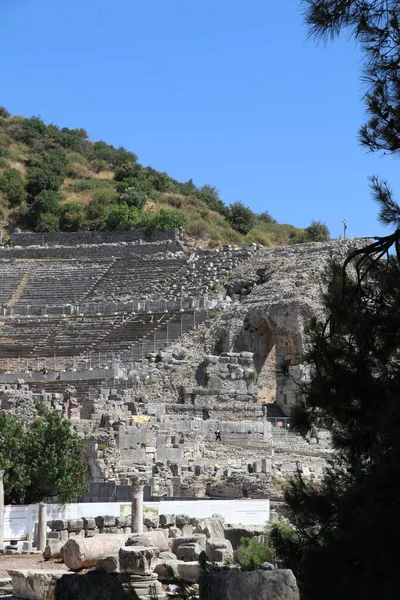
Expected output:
{"points": [[182, 520], [75, 525], [35, 585], [58, 525], [105, 521], [166, 520], [157, 538], [85, 552], [174, 532], [89, 523], [110, 564], [250, 585], [235, 534], [162, 571], [138, 560], [95, 585], [219, 550], [53, 549], [188, 552], [212, 528], [196, 538], [167, 556]]}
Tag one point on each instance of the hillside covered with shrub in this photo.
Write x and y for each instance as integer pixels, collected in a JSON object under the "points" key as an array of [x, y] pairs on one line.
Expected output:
{"points": [[56, 179]]}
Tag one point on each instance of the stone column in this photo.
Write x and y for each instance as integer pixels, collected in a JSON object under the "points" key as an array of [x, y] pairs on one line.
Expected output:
{"points": [[42, 529], [137, 504], [1, 510]]}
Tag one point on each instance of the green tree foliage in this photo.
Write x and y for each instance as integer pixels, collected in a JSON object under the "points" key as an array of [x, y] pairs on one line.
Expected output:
{"points": [[72, 216], [48, 172], [127, 170], [266, 217], [123, 217], [41, 460], [347, 526], [165, 219], [4, 112], [13, 186], [133, 198], [241, 218], [210, 195], [317, 232], [47, 223], [47, 202], [114, 156], [252, 554]]}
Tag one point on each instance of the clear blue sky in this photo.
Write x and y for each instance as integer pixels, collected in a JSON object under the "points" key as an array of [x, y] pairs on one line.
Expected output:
{"points": [[228, 93]]}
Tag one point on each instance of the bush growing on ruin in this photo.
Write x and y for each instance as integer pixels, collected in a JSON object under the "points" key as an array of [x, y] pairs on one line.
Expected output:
{"points": [[42, 459], [251, 554], [317, 232]]}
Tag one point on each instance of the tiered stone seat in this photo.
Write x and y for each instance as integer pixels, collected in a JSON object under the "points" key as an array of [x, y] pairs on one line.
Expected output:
{"points": [[47, 337], [137, 277], [11, 275], [55, 282]]}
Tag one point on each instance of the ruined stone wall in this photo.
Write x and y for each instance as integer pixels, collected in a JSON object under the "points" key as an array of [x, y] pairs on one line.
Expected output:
{"points": [[77, 238]]}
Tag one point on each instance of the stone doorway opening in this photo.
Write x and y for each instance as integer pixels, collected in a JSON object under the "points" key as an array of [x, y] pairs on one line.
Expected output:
{"points": [[257, 336]]}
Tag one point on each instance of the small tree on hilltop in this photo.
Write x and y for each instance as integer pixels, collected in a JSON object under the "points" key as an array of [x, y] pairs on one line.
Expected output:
{"points": [[241, 218], [317, 232]]}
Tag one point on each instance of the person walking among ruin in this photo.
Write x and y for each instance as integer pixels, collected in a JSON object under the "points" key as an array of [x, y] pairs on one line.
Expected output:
{"points": [[218, 436]]}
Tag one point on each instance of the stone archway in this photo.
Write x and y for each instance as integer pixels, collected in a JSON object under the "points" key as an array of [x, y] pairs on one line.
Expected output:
{"points": [[257, 336]]}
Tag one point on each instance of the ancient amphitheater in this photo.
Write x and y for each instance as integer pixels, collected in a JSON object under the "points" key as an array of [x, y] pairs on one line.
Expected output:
{"points": [[150, 345]]}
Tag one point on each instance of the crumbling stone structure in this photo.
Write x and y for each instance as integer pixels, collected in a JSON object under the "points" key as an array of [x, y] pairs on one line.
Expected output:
{"points": [[151, 346]]}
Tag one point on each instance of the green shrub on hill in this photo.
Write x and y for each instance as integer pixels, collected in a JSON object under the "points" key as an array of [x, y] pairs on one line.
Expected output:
{"points": [[98, 184], [12, 185]]}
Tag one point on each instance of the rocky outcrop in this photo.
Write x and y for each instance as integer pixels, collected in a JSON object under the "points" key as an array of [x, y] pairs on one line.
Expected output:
{"points": [[277, 584]]}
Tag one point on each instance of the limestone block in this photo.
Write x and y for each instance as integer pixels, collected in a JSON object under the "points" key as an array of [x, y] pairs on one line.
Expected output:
{"points": [[196, 538], [109, 530], [279, 584], [188, 552], [161, 568], [212, 528], [139, 540], [174, 532], [75, 525], [219, 550], [235, 534], [85, 552], [54, 535], [166, 520], [182, 520], [89, 523], [110, 564], [138, 560], [95, 585], [166, 556], [187, 530], [105, 521], [53, 549], [58, 525], [157, 537], [35, 585], [122, 521]]}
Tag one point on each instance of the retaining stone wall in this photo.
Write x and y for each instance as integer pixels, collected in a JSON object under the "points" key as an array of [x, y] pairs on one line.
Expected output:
{"points": [[91, 237]]}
